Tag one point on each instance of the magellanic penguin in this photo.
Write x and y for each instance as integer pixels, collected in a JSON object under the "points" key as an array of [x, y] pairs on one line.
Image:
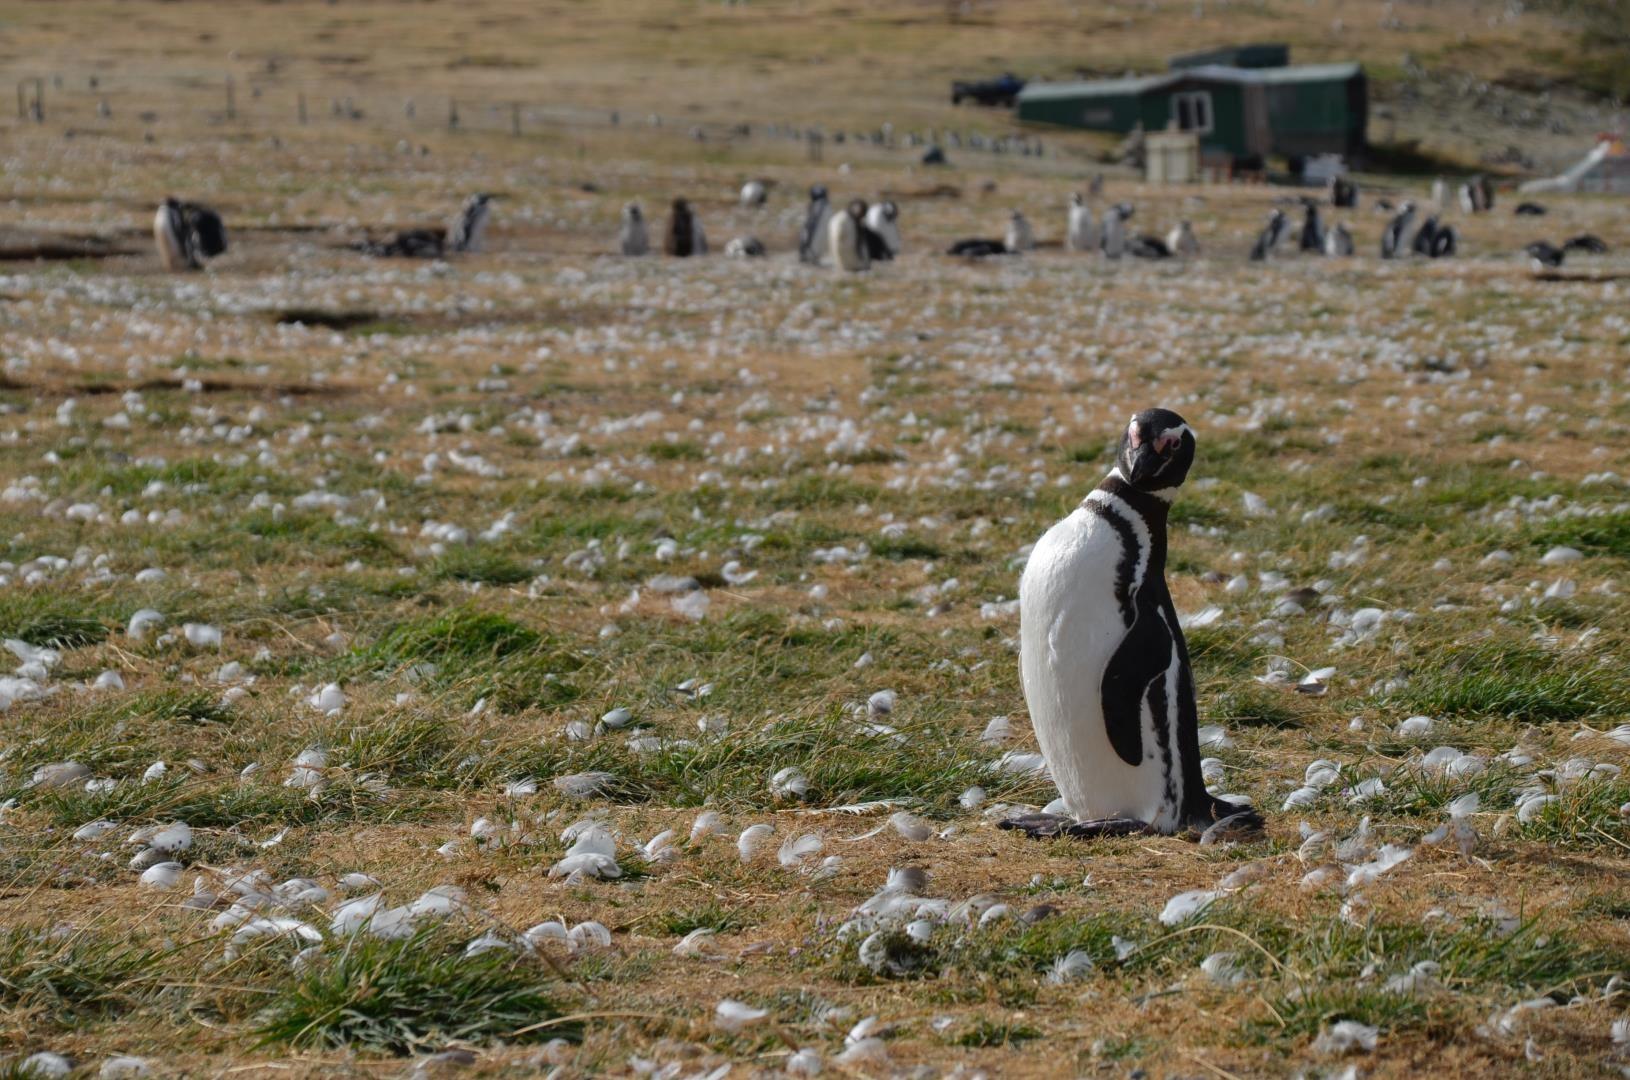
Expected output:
{"points": [[187, 233], [684, 237], [1103, 660], [1312, 229], [754, 193], [812, 238], [1392, 240], [172, 237], [1182, 241], [883, 219], [469, 230], [1338, 241], [1546, 257], [1270, 236], [633, 239], [846, 250], [1019, 236], [1078, 233], [1113, 241], [745, 247]]}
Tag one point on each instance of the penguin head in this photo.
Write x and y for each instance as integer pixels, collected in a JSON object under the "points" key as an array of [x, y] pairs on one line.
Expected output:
{"points": [[857, 209], [631, 212], [1157, 450], [1076, 199], [817, 193]]}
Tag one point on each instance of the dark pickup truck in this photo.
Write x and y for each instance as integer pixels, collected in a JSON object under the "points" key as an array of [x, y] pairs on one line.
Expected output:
{"points": [[1000, 91]]}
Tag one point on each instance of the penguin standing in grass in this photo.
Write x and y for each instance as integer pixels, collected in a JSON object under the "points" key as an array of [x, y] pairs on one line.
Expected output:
{"points": [[1079, 234], [468, 231], [1019, 235], [186, 234], [812, 238], [1104, 664], [883, 219], [633, 239], [1392, 240]]}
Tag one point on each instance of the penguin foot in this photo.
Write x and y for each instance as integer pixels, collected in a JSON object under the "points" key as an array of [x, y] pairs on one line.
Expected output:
{"points": [[1239, 824], [1046, 826]]}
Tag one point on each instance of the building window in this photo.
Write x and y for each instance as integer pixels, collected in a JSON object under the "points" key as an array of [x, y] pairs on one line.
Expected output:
{"points": [[1192, 111]]}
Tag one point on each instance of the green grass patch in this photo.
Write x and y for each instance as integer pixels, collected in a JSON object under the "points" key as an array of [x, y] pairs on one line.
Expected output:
{"points": [[399, 997]]}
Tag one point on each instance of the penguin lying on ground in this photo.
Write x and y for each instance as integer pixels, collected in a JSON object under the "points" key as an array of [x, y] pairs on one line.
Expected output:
{"points": [[1591, 245], [745, 247], [409, 244], [1529, 209], [1144, 246], [1545, 256], [977, 248], [1104, 664]]}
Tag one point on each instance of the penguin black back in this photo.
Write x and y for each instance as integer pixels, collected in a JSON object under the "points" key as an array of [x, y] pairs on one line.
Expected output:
{"points": [[680, 240]]}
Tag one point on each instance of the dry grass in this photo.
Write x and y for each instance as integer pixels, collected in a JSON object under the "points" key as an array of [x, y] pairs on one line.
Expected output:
{"points": [[759, 413]]}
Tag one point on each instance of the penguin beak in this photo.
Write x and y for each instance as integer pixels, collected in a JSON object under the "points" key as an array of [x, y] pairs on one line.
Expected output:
{"points": [[1143, 461]]}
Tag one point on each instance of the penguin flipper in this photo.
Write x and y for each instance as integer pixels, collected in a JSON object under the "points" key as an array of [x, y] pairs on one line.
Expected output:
{"points": [[1142, 657], [1047, 826]]}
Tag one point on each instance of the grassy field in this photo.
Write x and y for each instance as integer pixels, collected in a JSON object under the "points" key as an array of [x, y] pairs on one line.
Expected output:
{"points": [[477, 579]]}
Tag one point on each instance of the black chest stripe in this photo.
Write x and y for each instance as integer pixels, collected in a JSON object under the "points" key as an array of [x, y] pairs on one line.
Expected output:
{"points": [[1126, 567]]}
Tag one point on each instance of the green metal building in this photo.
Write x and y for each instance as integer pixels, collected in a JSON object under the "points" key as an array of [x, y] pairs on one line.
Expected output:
{"points": [[1240, 114]]}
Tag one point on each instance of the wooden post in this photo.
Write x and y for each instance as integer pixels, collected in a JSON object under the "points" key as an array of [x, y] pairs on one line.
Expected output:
{"points": [[515, 119], [231, 99], [302, 108]]}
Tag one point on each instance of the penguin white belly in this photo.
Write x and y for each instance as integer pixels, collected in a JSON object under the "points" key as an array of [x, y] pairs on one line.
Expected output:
{"points": [[844, 243], [1079, 233], [169, 252], [1070, 624]]}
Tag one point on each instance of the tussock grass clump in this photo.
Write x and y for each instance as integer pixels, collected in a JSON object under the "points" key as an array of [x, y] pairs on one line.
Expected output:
{"points": [[76, 973], [398, 997]]}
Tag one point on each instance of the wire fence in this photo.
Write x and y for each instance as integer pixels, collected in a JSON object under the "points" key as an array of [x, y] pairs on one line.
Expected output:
{"points": [[271, 103]]}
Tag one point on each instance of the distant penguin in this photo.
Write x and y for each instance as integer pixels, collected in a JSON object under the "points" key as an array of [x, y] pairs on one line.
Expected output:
{"points": [[1529, 209], [172, 237], [1468, 198], [1440, 194], [844, 245], [1144, 246], [205, 229], [1270, 236], [469, 230], [883, 219], [1587, 243], [1392, 239], [1343, 193], [633, 239], [1102, 658], [976, 248], [1182, 241], [812, 238], [1078, 233], [745, 247], [684, 237], [1312, 230], [1095, 187], [1113, 242], [1546, 257], [1444, 242], [1019, 237], [1338, 242], [1425, 236], [754, 193], [1485, 193]]}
